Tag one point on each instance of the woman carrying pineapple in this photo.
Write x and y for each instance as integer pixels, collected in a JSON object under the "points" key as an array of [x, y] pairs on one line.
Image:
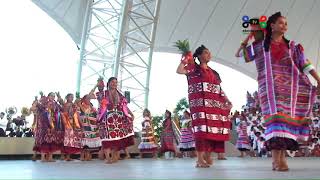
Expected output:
{"points": [[209, 105]]}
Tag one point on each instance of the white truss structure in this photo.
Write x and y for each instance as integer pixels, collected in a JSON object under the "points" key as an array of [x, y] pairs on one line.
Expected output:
{"points": [[118, 40]]}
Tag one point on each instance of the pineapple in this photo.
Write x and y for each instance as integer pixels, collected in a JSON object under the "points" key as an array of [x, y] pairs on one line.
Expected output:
{"points": [[100, 82], [77, 101], [77, 95], [25, 111], [184, 48], [100, 79]]}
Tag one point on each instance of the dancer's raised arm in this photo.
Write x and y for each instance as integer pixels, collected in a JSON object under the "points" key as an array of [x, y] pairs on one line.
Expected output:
{"points": [[243, 45], [181, 68]]}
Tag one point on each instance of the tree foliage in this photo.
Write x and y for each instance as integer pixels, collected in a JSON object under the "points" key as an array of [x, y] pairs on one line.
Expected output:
{"points": [[157, 125], [181, 106]]}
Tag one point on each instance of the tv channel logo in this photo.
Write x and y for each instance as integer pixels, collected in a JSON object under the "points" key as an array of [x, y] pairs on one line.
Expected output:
{"points": [[262, 21]]}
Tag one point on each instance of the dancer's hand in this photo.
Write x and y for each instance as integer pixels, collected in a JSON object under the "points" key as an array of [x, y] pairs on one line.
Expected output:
{"points": [[246, 40], [318, 88], [243, 45], [58, 95], [187, 58]]}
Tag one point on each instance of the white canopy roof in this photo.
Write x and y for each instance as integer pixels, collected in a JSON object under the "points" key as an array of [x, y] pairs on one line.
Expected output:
{"points": [[214, 23]]}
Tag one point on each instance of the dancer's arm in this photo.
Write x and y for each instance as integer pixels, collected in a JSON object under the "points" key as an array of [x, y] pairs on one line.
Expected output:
{"points": [[92, 91], [238, 51], [243, 45], [315, 75], [181, 69], [60, 100], [305, 65], [91, 94]]}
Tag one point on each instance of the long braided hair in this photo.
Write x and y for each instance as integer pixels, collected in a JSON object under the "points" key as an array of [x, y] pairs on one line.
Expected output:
{"points": [[272, 20]]}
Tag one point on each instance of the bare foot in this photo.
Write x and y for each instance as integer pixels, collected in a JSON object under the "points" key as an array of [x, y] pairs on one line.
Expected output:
{"points": [[69, 159], [34, 158], [274, 166], [209, 161], [282, 169], [127, 157], [108, 161], [202, 165]]}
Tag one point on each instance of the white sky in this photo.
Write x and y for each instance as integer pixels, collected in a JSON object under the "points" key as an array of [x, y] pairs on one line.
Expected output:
{"points": [[37, 54]]}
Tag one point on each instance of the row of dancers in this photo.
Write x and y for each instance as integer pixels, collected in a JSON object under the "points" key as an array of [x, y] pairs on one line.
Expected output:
{"points": [[72, 127], [286, 96], [77, 127]]}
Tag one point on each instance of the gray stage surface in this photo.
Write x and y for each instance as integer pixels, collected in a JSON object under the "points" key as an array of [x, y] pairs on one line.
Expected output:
{"points": [[233, 168]]}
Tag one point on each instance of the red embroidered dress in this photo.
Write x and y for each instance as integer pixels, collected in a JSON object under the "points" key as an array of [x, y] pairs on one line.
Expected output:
{"points": [[167, 137], [209, 108], [119, 132]]}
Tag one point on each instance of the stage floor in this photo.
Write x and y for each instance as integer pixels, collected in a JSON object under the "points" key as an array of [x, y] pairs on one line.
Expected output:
{"points": [[233, 168]]}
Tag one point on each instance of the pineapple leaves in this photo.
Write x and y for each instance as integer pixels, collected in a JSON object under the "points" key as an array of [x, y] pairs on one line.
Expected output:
{"points": [[183, 46]]}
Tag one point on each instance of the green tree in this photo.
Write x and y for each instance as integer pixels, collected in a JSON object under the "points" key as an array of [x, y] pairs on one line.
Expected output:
{"points": [[157, 125], [157, 121], [181, 106]]}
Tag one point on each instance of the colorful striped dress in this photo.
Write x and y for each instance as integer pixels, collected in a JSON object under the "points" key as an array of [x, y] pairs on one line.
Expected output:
{"points": [[72, 129], [148, 143], [91, 138], [285, 92], [209, 108], [243, 142], [187, 142], [100, 95]]}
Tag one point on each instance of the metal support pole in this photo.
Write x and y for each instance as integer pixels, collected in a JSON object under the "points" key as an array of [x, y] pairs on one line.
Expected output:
{"points": [[84, 37], [153, 35], [121, 34]]}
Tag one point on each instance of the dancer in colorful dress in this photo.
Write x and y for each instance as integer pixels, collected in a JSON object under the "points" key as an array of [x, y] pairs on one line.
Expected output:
{"points": [[72, 128], [49, 131], [99, 96], [91, 141], [209, 106], [148, 143], [55, 113], [187, 143], [285, 92], [243, 142], [167, 137], [118, 120], [34, 127]]}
